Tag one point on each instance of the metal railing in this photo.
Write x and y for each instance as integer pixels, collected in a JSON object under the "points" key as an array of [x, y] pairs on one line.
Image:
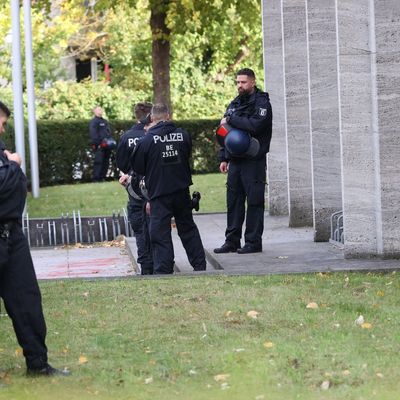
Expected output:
{"points": [[69, 230], [337, 229]]}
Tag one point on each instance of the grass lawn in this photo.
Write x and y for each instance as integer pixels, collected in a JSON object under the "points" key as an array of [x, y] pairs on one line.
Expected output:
{"points": [[94, 199], [192, 338]]}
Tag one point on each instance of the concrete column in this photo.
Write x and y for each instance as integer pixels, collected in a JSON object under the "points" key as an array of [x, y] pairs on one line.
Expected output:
{"points": [[324, 114], [369, 81], [297, 112], [274, 85]]}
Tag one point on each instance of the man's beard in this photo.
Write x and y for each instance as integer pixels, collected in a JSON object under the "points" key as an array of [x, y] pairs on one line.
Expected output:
{"points": [[245, 93]]}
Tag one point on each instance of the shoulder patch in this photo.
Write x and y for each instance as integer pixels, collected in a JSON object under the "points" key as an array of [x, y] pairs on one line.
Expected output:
{"points": [[262, 112]]}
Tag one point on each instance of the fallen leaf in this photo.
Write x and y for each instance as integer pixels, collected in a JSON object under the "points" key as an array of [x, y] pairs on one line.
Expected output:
{"points": [[359, 320], [380, 293], [82, 360], [346, 372], [221, 377], [325, 385], [252, 314], [268, 345], [366, 325], [18, 352], [224, 386], [228, 313], [312, 305]]}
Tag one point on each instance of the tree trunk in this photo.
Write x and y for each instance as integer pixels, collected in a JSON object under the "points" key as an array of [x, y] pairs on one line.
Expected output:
{"points": [[160, 52]]}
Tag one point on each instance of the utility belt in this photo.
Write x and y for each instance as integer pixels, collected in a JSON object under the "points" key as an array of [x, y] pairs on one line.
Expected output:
{"points": [[6, 228]]}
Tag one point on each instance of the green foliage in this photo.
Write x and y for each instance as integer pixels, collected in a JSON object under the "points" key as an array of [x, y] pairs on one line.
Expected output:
{"points": [[69, 100], [50, 35], [210, 40], [65, 155]]}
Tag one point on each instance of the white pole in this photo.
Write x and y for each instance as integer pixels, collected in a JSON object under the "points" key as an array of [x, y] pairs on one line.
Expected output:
{"points": [[30, 83], [17, 83]]}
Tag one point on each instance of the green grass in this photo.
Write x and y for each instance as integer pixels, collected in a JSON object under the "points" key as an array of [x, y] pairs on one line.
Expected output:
{"points": [[178, 334], [94, 199]]}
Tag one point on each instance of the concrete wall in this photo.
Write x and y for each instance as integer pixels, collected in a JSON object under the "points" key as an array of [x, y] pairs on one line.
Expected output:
{"points": [[360, 106], [274, 85], [324, 114], [387, 29], [369, 93], [297, 112]]}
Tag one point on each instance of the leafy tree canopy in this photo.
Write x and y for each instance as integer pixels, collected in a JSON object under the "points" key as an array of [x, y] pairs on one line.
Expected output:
{"points": [[210, 39]]}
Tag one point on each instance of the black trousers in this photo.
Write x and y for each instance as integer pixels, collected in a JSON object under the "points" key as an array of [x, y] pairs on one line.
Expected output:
{"points": [[163, 208], [101, 164], [139, 223], [246, 181], [21, 295]]}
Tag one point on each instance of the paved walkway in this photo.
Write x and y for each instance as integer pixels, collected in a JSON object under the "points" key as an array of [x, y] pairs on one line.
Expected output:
{"points": [[285, 250]]}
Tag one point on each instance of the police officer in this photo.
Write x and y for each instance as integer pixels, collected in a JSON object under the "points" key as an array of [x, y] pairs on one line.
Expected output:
{"points": [[136, 202], [251, 112], [99, 130], [18, 285], [162, 156]]}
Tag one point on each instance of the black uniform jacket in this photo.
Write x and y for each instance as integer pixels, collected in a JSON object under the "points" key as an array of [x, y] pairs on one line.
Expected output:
{"points": [[126, 145], [252, 114], [99, 130], [12, 188], [162, 156]]}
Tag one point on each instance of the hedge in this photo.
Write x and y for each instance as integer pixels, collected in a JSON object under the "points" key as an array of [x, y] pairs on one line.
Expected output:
{"points": [[65, 155]]}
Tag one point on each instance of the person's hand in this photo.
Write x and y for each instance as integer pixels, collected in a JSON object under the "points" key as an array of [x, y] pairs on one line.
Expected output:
{"points": [[223, 121], [148, 209], [224, 167], [13, 157], [124, 179]]}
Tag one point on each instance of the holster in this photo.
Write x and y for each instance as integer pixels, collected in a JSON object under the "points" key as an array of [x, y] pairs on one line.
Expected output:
{"points": [[5, 231]]}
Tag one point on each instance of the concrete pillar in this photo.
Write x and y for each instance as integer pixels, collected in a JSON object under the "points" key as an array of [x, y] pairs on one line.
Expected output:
{"points": [[324, 115], [297, 112], [274, 85], [369, 81]]}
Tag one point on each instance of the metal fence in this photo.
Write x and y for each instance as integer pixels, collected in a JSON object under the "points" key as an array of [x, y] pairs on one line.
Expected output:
{"points": [[337, 229], [72, 229]]}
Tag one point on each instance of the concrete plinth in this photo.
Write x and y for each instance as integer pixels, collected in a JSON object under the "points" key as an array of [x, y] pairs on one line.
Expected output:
{"points": [[324, 115]]}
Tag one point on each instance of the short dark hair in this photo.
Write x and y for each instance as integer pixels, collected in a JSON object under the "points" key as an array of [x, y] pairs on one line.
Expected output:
{"points": [[4, 109], [142, 110], [246, 71], [159, 110]]}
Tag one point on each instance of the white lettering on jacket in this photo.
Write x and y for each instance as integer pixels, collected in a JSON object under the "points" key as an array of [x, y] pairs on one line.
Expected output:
{"points": [[132, 141], [171, 137]]}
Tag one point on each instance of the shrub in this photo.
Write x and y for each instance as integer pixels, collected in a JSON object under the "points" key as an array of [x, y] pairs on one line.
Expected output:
{"points": [[65, 155]]}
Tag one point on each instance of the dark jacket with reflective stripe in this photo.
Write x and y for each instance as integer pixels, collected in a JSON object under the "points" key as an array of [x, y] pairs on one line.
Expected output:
{"points": [[252, 114], [162, 156], [12, 188], [126, 145]]}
